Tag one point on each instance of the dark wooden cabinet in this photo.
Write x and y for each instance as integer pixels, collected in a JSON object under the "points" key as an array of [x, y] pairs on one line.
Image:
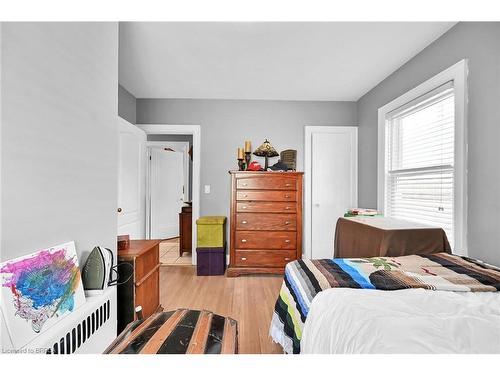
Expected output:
{"points": [[185, 229], [143, 289], [266, 221]]}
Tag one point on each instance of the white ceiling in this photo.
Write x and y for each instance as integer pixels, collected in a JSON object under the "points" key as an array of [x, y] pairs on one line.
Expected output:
{"points": [[256, 60]]}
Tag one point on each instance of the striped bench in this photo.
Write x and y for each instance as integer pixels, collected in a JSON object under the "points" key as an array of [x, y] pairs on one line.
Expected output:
{"points": [[181, 331]]}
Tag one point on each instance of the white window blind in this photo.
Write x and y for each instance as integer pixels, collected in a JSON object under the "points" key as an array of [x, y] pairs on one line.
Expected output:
{"points": [[419, 165]]}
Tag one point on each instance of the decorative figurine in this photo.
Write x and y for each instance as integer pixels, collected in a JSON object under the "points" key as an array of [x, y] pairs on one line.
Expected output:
{"points": [[289, 157]]}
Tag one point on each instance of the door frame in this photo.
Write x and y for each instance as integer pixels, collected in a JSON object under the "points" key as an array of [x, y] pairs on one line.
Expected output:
{"points": [[195, 131], [308, 135], [185, 167]]}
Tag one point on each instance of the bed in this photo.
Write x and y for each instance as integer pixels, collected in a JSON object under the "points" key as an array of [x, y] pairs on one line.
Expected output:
{"points": [[320, 299]]}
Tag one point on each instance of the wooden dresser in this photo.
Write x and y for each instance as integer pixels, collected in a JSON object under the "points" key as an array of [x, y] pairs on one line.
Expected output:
{"points": [[143, 289], [266, 221], [185, 230]]}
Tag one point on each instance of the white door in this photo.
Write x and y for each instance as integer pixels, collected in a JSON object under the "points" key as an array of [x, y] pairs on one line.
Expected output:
{"points": [[131, 180], [166, 192], [333, 184]]}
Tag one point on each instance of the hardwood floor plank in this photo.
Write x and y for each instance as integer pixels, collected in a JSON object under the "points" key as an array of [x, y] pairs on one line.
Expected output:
{"points": [[247, 299]]}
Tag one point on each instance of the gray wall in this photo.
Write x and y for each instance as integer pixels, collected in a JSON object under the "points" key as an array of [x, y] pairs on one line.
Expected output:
{"points": [[226, 124], [59, 136], [126, 105], [177, 138], [480, 43]]}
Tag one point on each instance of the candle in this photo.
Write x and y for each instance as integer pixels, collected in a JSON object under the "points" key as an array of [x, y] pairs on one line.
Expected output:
{"points": [[248, 146], [240, 153]]}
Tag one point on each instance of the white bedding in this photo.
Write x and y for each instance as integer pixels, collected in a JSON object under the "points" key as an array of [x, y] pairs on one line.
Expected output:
{"points": [[343, 320]]}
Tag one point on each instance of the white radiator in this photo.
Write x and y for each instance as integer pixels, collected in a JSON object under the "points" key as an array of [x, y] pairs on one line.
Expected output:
{"points": [[89, 329]]}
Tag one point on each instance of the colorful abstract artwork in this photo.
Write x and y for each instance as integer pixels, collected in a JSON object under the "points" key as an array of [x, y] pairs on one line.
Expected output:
{"points": [[38, 290]]}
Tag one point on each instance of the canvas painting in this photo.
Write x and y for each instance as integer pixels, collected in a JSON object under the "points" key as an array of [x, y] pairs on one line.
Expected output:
{"points": [[39, 290]]}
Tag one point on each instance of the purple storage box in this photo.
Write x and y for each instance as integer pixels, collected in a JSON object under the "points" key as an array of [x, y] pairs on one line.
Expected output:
{"points": [[211, 261]]}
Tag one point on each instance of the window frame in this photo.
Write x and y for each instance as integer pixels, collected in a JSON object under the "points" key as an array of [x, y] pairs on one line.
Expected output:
{"points": [[458, 74]]}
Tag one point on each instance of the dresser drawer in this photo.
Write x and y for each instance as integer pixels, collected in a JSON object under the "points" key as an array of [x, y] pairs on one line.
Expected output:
{"points": [[263, 258], [269, 195], [267, 182], [265, 240], [266, 207], [145, 262], [266, 222]]}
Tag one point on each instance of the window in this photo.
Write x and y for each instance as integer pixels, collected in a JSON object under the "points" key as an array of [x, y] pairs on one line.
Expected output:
{"points": [[423, 177]]}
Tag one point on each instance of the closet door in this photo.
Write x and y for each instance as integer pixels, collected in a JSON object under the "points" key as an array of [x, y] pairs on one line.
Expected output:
{"points": [[332, 184]]}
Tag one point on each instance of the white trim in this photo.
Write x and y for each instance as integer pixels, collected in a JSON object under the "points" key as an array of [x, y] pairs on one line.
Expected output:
{"points": [[195, 131], [308, 134], [458, 74]]}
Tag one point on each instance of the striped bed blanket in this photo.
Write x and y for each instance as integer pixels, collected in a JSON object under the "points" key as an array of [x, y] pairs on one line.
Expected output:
{"points": [[304, 279]]}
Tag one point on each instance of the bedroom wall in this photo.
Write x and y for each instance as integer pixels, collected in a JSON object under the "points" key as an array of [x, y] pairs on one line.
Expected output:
{"points": [[480, 43], [126, 105], [226, 124], [59, 136]]}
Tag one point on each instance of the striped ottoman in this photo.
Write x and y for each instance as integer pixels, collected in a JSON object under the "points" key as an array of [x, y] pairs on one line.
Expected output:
{"points": [[178, 332]]}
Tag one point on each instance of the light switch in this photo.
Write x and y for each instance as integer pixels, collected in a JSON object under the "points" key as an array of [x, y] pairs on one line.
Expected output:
{"points": [[207, 189]]}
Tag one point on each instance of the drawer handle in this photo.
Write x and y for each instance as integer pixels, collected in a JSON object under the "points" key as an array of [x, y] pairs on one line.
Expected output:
{"points": [[243, 240], [243, 258], [287, 185], [244, 207], [287, 258], [287, 241], [245, 195], [244, 222], [287, 196], [288, 208], [244, 184], [287, 223]]}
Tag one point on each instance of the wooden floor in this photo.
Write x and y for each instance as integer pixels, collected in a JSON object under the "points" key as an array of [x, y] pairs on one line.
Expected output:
{"points": [[248, 299]]}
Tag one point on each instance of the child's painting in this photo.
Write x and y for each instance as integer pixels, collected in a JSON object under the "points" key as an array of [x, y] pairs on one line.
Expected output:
{"points": [[38, 290]]}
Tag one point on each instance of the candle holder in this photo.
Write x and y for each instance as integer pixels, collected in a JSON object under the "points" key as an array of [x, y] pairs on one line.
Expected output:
{"points": [[248, 157], [241, 164]]}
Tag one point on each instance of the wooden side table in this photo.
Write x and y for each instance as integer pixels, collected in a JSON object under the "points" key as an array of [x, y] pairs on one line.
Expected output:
{"points": [[143, 289], [178, 332], [185, 229]]}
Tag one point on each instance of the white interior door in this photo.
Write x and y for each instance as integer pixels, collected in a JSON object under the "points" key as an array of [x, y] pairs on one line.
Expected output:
{"points": [[131, 180], [183, 148], [333, 184], [166, 192]]}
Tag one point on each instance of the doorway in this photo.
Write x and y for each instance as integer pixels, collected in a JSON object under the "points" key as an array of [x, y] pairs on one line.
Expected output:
{"points": [[168, 187], [169, 194], [331, 186], [172, 155]]}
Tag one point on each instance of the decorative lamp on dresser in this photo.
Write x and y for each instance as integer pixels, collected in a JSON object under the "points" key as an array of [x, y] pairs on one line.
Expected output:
{"points": [[266, 221]]}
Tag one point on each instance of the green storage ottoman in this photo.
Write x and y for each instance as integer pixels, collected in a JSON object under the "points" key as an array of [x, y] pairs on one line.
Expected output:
{"points": [[211, 231]]}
